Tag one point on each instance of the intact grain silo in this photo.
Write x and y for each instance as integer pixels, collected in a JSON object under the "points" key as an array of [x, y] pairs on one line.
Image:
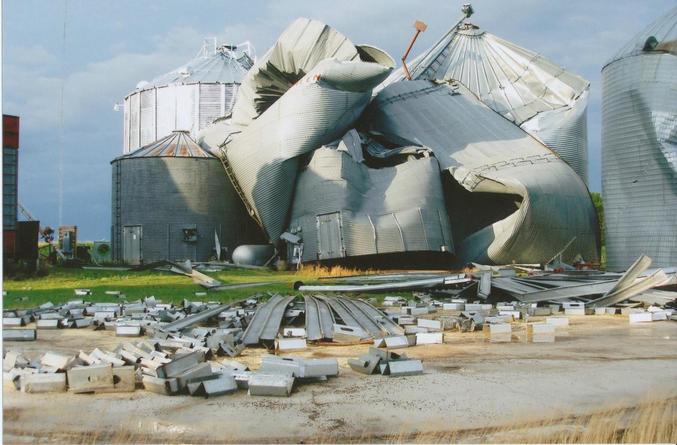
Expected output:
{"points": [[188, 98], [169, 200], [639, 147], [544, 99]]}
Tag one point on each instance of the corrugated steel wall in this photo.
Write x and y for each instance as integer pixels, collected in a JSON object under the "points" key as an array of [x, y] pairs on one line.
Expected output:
{"points": [[164, 195], [385, 210], [639, 159], [153, 113], [486, 154]]}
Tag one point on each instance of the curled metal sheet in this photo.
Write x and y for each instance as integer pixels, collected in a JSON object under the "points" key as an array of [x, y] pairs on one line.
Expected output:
{"points": [[639, 147], [343, 208], [543, 98], [511, 199], [308, 90]]}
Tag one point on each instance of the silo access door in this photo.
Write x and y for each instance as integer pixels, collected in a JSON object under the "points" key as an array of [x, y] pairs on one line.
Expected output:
{"points": [[330, 236], [131, 244]]}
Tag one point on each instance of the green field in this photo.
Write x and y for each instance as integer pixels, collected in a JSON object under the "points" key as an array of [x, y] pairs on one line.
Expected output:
{"points": [[59, 285]]}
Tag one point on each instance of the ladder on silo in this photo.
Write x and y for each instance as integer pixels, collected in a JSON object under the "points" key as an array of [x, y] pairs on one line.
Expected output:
{"points": [[231, 175]]}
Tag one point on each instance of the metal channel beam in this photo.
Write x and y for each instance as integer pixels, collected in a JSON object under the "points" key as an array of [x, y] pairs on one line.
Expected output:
{"points": [[366, 322], [313, 328], [389, 325], [563, 293], [341, 311], [194, 319], [255, 328], [326, 319], [402, 285], [272, 327]]}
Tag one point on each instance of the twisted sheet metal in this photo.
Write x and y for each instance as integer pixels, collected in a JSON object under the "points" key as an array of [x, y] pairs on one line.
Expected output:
{"points": [[639, 148], [521, 85], [487, 154], [386, 210], [332, 82]]}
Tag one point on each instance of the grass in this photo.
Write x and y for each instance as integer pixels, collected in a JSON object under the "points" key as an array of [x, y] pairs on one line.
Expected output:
{"points": [[58, 286]]}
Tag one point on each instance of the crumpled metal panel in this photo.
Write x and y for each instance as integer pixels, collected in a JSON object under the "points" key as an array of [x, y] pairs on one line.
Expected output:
{"points": [[517, 83], [308, 90], [525, 204], [385, 210], [639, 151]]}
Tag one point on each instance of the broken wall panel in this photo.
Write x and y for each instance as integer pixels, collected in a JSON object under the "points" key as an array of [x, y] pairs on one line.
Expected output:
{"points": [[343, 208], [543, 204], [308, 90]]}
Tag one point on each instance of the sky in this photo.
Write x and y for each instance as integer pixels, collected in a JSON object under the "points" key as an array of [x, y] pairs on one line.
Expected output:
{"points": [[65, 63]]}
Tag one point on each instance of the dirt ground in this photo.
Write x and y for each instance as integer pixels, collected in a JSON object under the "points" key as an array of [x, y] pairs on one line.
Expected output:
{"points": [[468, 383]]}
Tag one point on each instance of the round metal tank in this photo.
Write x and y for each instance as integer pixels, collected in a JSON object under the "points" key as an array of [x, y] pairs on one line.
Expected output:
{"points": [[189, 98], [170, 199], [639, 154], [253, 254]]}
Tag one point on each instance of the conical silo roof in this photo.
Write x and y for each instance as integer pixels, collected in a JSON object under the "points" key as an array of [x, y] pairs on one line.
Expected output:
{"points": [[220, 65], [663, 30], [513, 81], [178, 144]]}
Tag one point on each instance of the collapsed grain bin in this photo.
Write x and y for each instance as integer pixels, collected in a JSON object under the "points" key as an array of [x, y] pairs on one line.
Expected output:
{"points": [[188, 98], [639, 147], [170, 200], [544, 99]]}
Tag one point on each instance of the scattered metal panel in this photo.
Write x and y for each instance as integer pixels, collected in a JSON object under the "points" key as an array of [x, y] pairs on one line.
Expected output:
{"points": [[655, 279], [319, 319], [639, 154], [194, 319], [266, 322], [564, 293], [402, 285]]}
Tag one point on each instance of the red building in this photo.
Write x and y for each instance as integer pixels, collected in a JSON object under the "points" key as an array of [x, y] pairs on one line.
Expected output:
{"points": [[10, 170]]}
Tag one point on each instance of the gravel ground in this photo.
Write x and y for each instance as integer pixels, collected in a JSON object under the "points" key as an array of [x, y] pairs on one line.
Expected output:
{"points": [[468, 383]]}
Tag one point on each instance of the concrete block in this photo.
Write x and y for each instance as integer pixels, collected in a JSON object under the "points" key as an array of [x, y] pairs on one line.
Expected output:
{"points": [[396, 342], [348, 334], [659, 315], [558, 322], [601, 310], [127, 331], [540, 311], [19, 335], [365, 364], [290, 344], [197, 372], [400, 368], [58, 361], [498, 333], [414, 329], [431, 325], [611, 311], [541, 332], [429, 338], [47, 324], [12, 322], [513, 314], [38, 383], [222, 385], [124, 379], [290, 366], [406, 320], [319, 367], [453, 306], [640, 317], [479, 307], [294, 332], [180, 364], [160, 385], [93, 378], [275, 385], [574, 310]]}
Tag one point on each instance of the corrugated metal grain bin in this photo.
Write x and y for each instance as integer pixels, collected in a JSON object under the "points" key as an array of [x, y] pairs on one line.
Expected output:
{"points": [[544, 99], [170, 198], [189, 98], [639, 147]]}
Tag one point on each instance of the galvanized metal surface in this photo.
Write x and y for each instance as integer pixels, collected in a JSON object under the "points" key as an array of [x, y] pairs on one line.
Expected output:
{"points": [[188, 98], [543, 98], [517, 201], [306, 91], [639, 148], [156, 198], [194, 319], [343, 208], [265, 324], [319, 319]]}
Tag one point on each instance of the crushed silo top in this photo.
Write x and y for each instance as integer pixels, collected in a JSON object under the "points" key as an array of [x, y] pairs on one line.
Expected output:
{"points": [[511, 80], [178, 144]]}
